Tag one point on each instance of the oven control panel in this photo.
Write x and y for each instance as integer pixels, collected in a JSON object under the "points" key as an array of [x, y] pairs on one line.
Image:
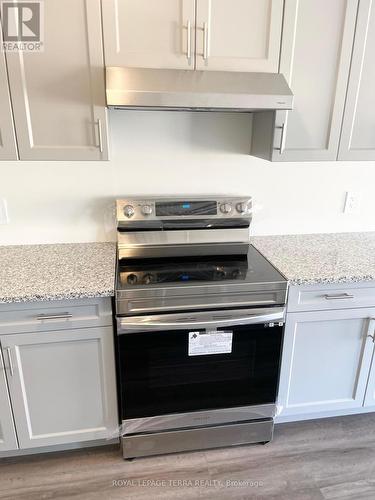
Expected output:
{"points": [[179, 208], [185, 272]]}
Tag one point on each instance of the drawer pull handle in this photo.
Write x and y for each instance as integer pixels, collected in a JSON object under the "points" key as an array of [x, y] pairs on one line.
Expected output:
{"points": [[10, 361], [99, 122], [188, 50], [205, 41], [338, 297], [281, 149], [43, 317]]}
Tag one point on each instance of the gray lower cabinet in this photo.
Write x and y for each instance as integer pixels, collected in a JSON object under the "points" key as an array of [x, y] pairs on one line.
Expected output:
{"points": [[57, 382], [370, 391], [8, 439], [62, 385], [327, 358]]}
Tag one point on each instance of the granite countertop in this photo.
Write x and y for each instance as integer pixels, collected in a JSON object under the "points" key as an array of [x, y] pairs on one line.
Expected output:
{"points": [[84, 270], [321, 258], [53, 272]]}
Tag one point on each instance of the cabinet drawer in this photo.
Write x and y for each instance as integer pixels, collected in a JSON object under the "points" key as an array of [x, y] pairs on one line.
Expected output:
{"points": [[337, 296], [54, 315]]}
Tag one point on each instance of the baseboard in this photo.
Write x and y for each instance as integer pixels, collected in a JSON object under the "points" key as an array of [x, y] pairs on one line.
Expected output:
{"points": [[280, 419], [60, 447]]}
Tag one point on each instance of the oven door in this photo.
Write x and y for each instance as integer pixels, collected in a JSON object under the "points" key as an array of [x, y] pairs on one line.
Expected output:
{"points": [[180, 370]]}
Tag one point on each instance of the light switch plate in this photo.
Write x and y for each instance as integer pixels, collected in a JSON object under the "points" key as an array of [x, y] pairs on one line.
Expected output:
{"points": [[4, 217], [352, 202]]}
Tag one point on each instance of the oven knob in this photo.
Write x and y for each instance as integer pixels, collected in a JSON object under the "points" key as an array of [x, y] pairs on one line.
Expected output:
{"points": [[132, 279], [226, 208], [148, 278], [129, 211], [146, 209], [243, 208], [219, 273], [236, 274]]}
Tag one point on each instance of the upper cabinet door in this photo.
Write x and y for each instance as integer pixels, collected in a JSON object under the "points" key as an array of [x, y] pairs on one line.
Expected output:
{"points": [[239, 35], [149, 34], [358, 131], [315, 59], [8, 146], [58, 95]]}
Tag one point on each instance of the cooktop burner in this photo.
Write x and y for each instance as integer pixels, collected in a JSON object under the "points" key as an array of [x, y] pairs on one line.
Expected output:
{"points": [[250, 268]]}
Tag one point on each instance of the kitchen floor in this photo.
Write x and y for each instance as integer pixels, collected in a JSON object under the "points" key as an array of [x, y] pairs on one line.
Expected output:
{"points": [[322, 459]]}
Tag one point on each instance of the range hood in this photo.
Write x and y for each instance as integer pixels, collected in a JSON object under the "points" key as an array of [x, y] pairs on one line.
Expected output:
{"points": [[173, 89]]}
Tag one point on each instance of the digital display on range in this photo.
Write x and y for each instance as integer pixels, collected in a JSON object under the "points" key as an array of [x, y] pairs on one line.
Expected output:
{"points": [[168, 209]]}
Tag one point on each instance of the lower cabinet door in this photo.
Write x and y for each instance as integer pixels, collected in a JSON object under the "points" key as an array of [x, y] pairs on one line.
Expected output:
{"points": [[370, 391], [8, 439], [326, 361], [63, 387]]}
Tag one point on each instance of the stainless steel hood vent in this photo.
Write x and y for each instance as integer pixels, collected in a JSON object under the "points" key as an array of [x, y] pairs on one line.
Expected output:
{"points": [[172, 89]]}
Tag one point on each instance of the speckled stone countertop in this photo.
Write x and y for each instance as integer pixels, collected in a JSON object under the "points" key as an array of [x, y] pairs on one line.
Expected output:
{"points": [[321, 258], [84, 270], [53, 272]]}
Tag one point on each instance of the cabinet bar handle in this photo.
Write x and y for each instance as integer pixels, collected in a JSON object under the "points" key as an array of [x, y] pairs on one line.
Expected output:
{"points": [[99, 122], [338, 297], [43, 317], [9, 354], [188, 50], [281, 149], [205, 41]]}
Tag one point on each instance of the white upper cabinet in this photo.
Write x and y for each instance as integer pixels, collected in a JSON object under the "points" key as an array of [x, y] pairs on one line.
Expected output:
{"points": [[8, 439], [358, 131], [8, 146], [239, 35], [151, 34], [228, 35], [315, 59], [58, 95]]}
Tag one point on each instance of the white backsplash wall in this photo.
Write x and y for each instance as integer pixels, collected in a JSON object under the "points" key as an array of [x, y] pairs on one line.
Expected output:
{"points": [[179, 153]]}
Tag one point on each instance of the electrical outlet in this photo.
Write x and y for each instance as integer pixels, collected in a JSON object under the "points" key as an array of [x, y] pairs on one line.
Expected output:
{"points": [[352, 202], [4, 218]]}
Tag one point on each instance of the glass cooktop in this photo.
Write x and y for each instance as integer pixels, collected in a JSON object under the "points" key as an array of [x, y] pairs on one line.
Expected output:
{"points": [[250, 268]]}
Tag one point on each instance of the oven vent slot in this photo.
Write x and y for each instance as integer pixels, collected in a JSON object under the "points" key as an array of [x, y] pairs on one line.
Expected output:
{"points": [[186, 319], [222, 316]]}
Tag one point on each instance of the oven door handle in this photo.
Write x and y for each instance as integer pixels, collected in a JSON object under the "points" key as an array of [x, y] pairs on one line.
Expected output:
{"points": [[176, 321]]}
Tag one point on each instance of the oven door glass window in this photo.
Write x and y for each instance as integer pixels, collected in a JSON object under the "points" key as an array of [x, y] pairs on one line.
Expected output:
{"points": [[158, 376]]}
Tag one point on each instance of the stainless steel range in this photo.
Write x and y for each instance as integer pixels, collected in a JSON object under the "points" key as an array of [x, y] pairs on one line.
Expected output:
{"points": [[200, 316]]}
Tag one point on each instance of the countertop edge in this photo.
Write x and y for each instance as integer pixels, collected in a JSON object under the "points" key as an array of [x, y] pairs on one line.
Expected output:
{"points": [[331, 281], [61, 296]]}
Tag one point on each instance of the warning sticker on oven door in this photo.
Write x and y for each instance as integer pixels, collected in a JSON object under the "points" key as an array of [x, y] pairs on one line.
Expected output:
{"points": [[210, 342]]}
